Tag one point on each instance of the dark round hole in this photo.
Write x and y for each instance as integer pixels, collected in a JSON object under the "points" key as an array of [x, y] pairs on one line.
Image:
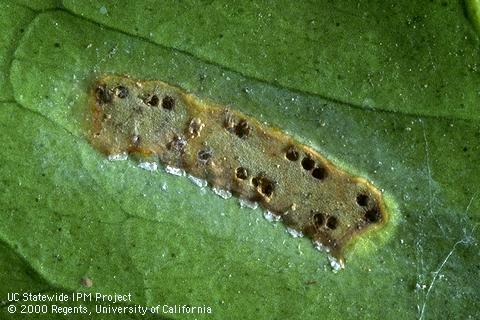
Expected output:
{"points": [[372, 215], [332, 222], [102, 94], [263, 185], [308, 163], [318, 220], [242, 129], [319, 173], [121, 92], [204, 155], [292, 154], [241, 173], [362, 200], [168, 102], [152, 100], [267, 188]]}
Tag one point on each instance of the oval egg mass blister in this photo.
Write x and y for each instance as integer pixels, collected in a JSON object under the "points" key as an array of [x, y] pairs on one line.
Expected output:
{"points": [[235, 154]]}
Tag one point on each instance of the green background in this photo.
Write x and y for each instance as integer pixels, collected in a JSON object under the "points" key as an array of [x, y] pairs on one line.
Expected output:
{"points": [[389, 90]]}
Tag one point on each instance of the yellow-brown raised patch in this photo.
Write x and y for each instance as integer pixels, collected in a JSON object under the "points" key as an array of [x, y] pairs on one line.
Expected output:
{"points": [[235, 152]]}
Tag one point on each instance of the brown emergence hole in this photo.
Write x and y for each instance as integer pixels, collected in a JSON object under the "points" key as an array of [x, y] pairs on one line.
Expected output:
{"points": [[152, 100], [308, 163], [318, 220], [267, 189], [241, 173], [292, 154], [263, 185], [204, 155], [319, 173], [362, 200], [332, 222], [242, 129], [121, 92], [102, 94], [373, 215], [168, 102]]}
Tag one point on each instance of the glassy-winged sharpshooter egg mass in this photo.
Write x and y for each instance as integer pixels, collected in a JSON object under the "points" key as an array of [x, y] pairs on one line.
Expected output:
{"points": [[236, 153]]}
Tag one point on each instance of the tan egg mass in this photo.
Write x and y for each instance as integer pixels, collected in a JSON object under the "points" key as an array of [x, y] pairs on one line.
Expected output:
{"points": [[234, 152]]}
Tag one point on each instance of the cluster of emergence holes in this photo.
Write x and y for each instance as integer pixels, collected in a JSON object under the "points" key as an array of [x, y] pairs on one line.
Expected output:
{"points": [[319, 220], [152, 100], [263, 185], [371, 215], [168, 102], [317, 171]]}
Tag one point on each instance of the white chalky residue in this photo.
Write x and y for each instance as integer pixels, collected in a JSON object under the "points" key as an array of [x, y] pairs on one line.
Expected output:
{"points": [[103, 10], [335, 264], [197, 181], [118, 157], [149, 166], [222, 193], [320, 247], [294, 233], [244, 203], [175, 171], [272, 217], [164, 186]]}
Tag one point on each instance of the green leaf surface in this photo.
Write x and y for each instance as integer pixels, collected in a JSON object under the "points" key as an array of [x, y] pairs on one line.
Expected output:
{"points": [[411, 57], [473, 11], [68, 212], [40, 5], [13, 20]]}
